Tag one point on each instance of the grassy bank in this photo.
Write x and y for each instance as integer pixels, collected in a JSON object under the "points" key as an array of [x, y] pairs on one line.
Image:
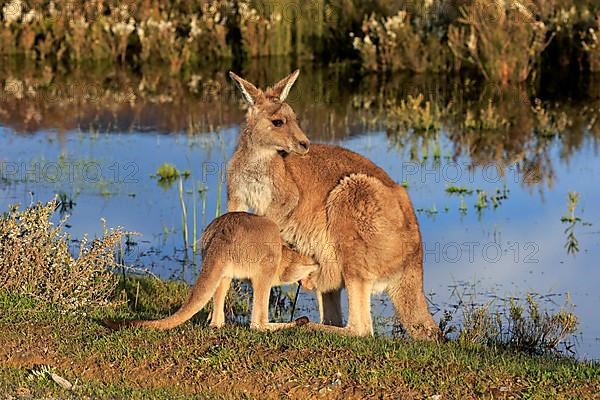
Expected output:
{"points": [[238, 363], [53, 344]]}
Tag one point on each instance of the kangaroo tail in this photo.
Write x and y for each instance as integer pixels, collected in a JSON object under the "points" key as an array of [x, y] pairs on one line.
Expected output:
{"points": [[203, 290]]}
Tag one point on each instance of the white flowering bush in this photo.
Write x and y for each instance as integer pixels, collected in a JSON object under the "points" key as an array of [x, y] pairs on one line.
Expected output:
{"points": [[113, 31], [35, 260], [207, 36], [503, 40], [591, 44], [400, 43], [264, 35], [11, 12]]}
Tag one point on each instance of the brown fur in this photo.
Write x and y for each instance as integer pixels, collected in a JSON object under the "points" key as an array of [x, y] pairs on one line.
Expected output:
{"points": [[242, 246], [335, 206]]}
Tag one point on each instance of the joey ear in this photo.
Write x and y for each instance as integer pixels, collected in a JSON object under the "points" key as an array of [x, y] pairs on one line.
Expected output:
{"points": [[249, 91], [282, 88]]}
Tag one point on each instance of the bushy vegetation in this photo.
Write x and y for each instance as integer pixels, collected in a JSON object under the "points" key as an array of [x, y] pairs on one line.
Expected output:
{"points": [[35, 260], [518, 325], [501, 41]]}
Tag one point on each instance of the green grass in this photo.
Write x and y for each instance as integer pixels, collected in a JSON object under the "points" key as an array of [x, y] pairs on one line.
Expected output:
{"points": [[194, 361]]}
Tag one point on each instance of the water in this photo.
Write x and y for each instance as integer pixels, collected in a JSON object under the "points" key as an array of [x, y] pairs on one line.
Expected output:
{"points": [[102, 151]]}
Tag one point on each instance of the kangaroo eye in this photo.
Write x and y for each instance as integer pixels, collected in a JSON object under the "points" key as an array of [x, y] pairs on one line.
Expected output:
{"points": [[277, 122]]}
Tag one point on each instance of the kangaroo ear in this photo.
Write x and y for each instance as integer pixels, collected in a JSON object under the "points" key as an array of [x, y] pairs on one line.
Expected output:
{"points": [[249, 91], [282, 88]]}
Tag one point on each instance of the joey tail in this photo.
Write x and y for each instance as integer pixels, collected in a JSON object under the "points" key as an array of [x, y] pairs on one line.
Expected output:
{"points": [[203, 290]]}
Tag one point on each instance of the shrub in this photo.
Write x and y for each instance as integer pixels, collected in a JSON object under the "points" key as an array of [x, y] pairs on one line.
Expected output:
{"points": [[400, 42], [519, 325], [110, 31], [264, 35], [35, 260], [503, 41], [591, 44]]}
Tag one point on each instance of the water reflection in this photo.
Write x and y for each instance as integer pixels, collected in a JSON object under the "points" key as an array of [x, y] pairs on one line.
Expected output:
{"points": [[508, 127]]}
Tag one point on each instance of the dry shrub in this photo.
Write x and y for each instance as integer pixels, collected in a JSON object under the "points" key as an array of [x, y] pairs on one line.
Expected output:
{"points": [[112, 31], [264, 35], [502, 40], [519, 325], [400, 42], [35, 260], [591, 44]]}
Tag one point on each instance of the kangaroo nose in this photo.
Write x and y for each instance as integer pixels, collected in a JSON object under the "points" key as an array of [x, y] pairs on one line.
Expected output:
{"points": [[304, 144]]}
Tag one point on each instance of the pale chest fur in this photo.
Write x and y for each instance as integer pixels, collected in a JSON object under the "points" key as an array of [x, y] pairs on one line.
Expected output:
{"points": [[256, 192], [250, 183]]}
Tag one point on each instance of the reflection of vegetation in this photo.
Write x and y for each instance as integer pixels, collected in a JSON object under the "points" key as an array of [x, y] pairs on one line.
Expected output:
{"points": [[572, 244], [429, 117], [65, 203], [502, 128]]}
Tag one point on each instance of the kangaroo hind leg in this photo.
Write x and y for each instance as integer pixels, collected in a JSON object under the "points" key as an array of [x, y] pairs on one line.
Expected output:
{"points": [[218, 313], [411, 306]]}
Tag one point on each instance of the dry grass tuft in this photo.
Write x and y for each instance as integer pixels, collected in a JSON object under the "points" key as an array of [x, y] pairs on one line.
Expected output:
{"points": [[35, 260], [520, 325]]}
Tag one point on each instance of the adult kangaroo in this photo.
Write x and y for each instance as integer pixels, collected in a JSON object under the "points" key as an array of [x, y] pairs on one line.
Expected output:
{"points": [[334, 206]]}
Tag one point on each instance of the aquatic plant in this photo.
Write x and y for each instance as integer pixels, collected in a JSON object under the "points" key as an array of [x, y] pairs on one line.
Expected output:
{"points": [[482, 201], [167, 174], [460, 190], [65, 202], [462, 208], [572, 244], [549, 121], [485, 119], [414, 113], [515, 324]]}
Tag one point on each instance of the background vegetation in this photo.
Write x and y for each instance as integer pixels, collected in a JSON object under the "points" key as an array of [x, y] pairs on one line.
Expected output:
{"points": [[502, 41]]}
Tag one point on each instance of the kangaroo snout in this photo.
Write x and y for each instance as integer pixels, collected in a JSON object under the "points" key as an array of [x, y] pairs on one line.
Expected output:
{"points": [[303, 146]]}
